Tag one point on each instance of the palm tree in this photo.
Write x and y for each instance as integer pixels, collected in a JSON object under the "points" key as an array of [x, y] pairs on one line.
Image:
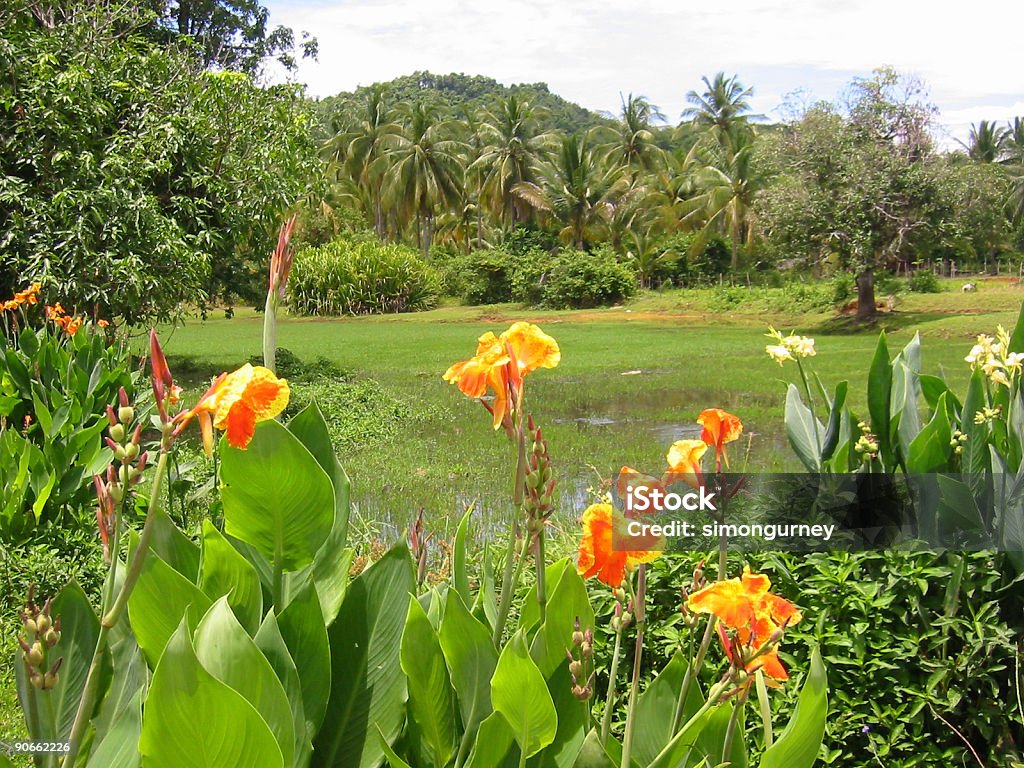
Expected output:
{"points": [[361, 150], [631, 142], [425, 169], [511, 155], [575, 188], [986, 142], [725, 198], [722, 108]]}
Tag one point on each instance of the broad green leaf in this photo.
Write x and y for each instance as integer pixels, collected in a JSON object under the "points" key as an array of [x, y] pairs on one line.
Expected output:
{"points": [[974, 461], [656, 710], [835, 417], [471, 658], [711, 740], [958, 506], [519, 694], [271, 644], [225, 572], [879, 395], [567, 601], [79, 628], [930, 449], [118, 722], [119, 747], [1017, 337], [332, 560], [156, 606], [174, 547], [495, 745], [797, 746], [389, 754], [229, 654], [302, 627], [805, 432], [193, 720], [460, 568], [572, 722], [276, 496], [687, 735], [369, 688], [431, 698], [593, 754]]}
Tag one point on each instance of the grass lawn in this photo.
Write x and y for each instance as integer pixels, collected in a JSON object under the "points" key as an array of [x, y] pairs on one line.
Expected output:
{"points": [[631, 381]]}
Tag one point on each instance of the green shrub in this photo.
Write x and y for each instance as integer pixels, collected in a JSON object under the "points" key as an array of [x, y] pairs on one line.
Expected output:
{"points": [[573, 279], [844, 288], [290, 366], [358, 413], [54, 391], [924, 281], [361, 276], [483, 277], [887, 284], [904, 638], [683, 267]]}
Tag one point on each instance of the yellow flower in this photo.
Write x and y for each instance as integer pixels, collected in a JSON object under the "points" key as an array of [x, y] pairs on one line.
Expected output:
{"points": [[684, 458], [236, 401], [501, 362], [597, 554]]}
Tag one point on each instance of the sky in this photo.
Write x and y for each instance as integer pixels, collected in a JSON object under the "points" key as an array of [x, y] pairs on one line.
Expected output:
{"points": [[594, 51]]}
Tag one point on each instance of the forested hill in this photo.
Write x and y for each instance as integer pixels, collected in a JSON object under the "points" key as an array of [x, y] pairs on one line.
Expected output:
{"points": [[454, 92]]}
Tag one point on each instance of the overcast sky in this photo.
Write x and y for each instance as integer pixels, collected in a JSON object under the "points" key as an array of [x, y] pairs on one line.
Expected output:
{"points": [[591, 51]]}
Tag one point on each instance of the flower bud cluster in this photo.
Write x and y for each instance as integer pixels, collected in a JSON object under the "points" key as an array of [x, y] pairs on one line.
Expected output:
{"points": [[867, 444], [697, 583], [539, 482], [124, 472], [41, 635], [581, 659], [956, 442], [986, 415]]}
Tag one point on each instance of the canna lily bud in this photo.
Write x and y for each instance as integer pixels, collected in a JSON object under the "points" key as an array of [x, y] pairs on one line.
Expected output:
{"points": [[131, 451], [116, 433], [126, 414]]}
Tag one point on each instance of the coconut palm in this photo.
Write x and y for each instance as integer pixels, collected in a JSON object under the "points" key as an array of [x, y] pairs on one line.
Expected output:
{"points": [[722, 108], [425, 169], [512, 152], [725, 198], [360, 150], [986, 142], [576, 189], [631, 141]]}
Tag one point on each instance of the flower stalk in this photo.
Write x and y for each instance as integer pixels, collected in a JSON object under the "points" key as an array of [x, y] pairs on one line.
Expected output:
{"points": [[634, 691]]}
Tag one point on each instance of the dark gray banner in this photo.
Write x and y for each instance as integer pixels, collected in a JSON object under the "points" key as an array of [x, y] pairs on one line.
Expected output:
{"points": [[819, 512]]}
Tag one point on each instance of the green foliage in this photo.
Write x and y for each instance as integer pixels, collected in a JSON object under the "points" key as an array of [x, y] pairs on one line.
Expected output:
{"points": [[128, 186], [924, 281], [361, 276], [358, 413], [573, 279], [54, 390], [482, 277], [453, 92]]}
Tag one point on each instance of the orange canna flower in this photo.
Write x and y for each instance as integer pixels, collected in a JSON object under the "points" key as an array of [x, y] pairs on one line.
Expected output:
{"points": [[235, 402], [684, 458], [501, 362], [720, 427], [597, 556], [630, 478], [746, 606], [102, 323]]}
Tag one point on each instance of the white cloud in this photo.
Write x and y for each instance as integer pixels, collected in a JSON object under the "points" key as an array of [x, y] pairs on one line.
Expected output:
{"points": [[591, 50]]}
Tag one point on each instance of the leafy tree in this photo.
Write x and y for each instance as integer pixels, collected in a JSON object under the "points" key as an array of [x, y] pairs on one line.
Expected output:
{"points": [[360, 148], [986, 142], [425, 171], [725, 198], [131, 180], [631, 141], [856, 185], [722, 108], [512, 152], [577, 189]]}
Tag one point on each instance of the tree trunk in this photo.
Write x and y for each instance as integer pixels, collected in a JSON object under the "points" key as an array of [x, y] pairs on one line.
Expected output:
{"points": [[428, 234], [866, 296]]}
